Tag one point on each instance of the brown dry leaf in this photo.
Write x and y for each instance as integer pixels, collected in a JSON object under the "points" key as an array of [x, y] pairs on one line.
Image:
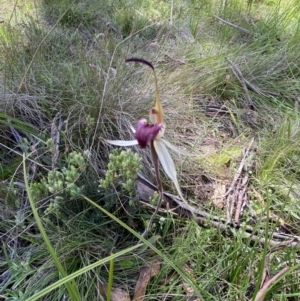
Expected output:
{"points": [[117, 294], [146, 273], [187, 288], [218, 194]]}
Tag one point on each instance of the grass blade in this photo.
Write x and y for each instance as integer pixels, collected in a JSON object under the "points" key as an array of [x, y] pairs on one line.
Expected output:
{"points": [[18, 124], [71, 287], [178, 269], [72, 276], [110, 278]]}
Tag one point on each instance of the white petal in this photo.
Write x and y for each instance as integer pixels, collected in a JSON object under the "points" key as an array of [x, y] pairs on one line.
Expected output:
{"points": [[167, 164], [176, 149], [122, 142], [165, 159], [132, 128]]}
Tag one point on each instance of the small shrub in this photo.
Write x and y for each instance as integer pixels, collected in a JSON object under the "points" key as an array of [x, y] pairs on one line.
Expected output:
{"points": [[62, 184], [120, 177]]}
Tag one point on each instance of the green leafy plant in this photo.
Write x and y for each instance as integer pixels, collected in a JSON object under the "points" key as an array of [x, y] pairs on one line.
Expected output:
{"points": [[61, 184], [122, 169], [119, 181]]}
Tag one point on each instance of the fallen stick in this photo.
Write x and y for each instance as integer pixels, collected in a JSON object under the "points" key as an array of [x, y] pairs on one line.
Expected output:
{"points": [[241, 197], [240, 169], [238, 74], [262, 292], [234, 26], [174, 205]]}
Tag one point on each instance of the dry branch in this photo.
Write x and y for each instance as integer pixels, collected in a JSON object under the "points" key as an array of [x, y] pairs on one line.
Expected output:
{"points": [[233, 25], [238, 74], [237, 189], [174, 205], [238, 174], [264, 289], [246, 85]]}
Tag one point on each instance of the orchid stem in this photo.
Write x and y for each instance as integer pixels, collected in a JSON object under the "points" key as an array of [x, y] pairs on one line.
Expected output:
{"points": [[159, 188], [152, 217]]}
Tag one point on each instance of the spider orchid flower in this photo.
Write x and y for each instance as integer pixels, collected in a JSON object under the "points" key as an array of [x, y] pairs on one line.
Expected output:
{"points": [[152, 134]]}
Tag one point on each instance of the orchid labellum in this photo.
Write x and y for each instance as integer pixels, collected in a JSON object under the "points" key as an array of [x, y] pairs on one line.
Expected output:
{"points": [[152, 134]]}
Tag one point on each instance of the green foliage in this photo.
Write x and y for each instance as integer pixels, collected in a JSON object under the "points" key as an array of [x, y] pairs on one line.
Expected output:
{"points": [[153, 200], [75, 12], [123, 168], [129, 21], [62, 184], [278, 172]]}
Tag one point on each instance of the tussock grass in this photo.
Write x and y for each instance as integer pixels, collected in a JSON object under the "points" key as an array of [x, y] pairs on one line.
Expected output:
{"points": [[78, 91]]}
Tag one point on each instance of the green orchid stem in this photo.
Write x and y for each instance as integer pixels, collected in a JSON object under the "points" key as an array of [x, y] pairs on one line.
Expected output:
{"points": [[159, 189]]}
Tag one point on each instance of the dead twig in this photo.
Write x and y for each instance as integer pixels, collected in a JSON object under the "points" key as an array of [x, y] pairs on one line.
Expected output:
{"points": [[174, 60], [240, 169], [239, 76], [241, 198], [146, 273], [175, 205], [276, 240], [264, 289], [246, 85], [234, 26], [227, 198], [258, 91]]}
